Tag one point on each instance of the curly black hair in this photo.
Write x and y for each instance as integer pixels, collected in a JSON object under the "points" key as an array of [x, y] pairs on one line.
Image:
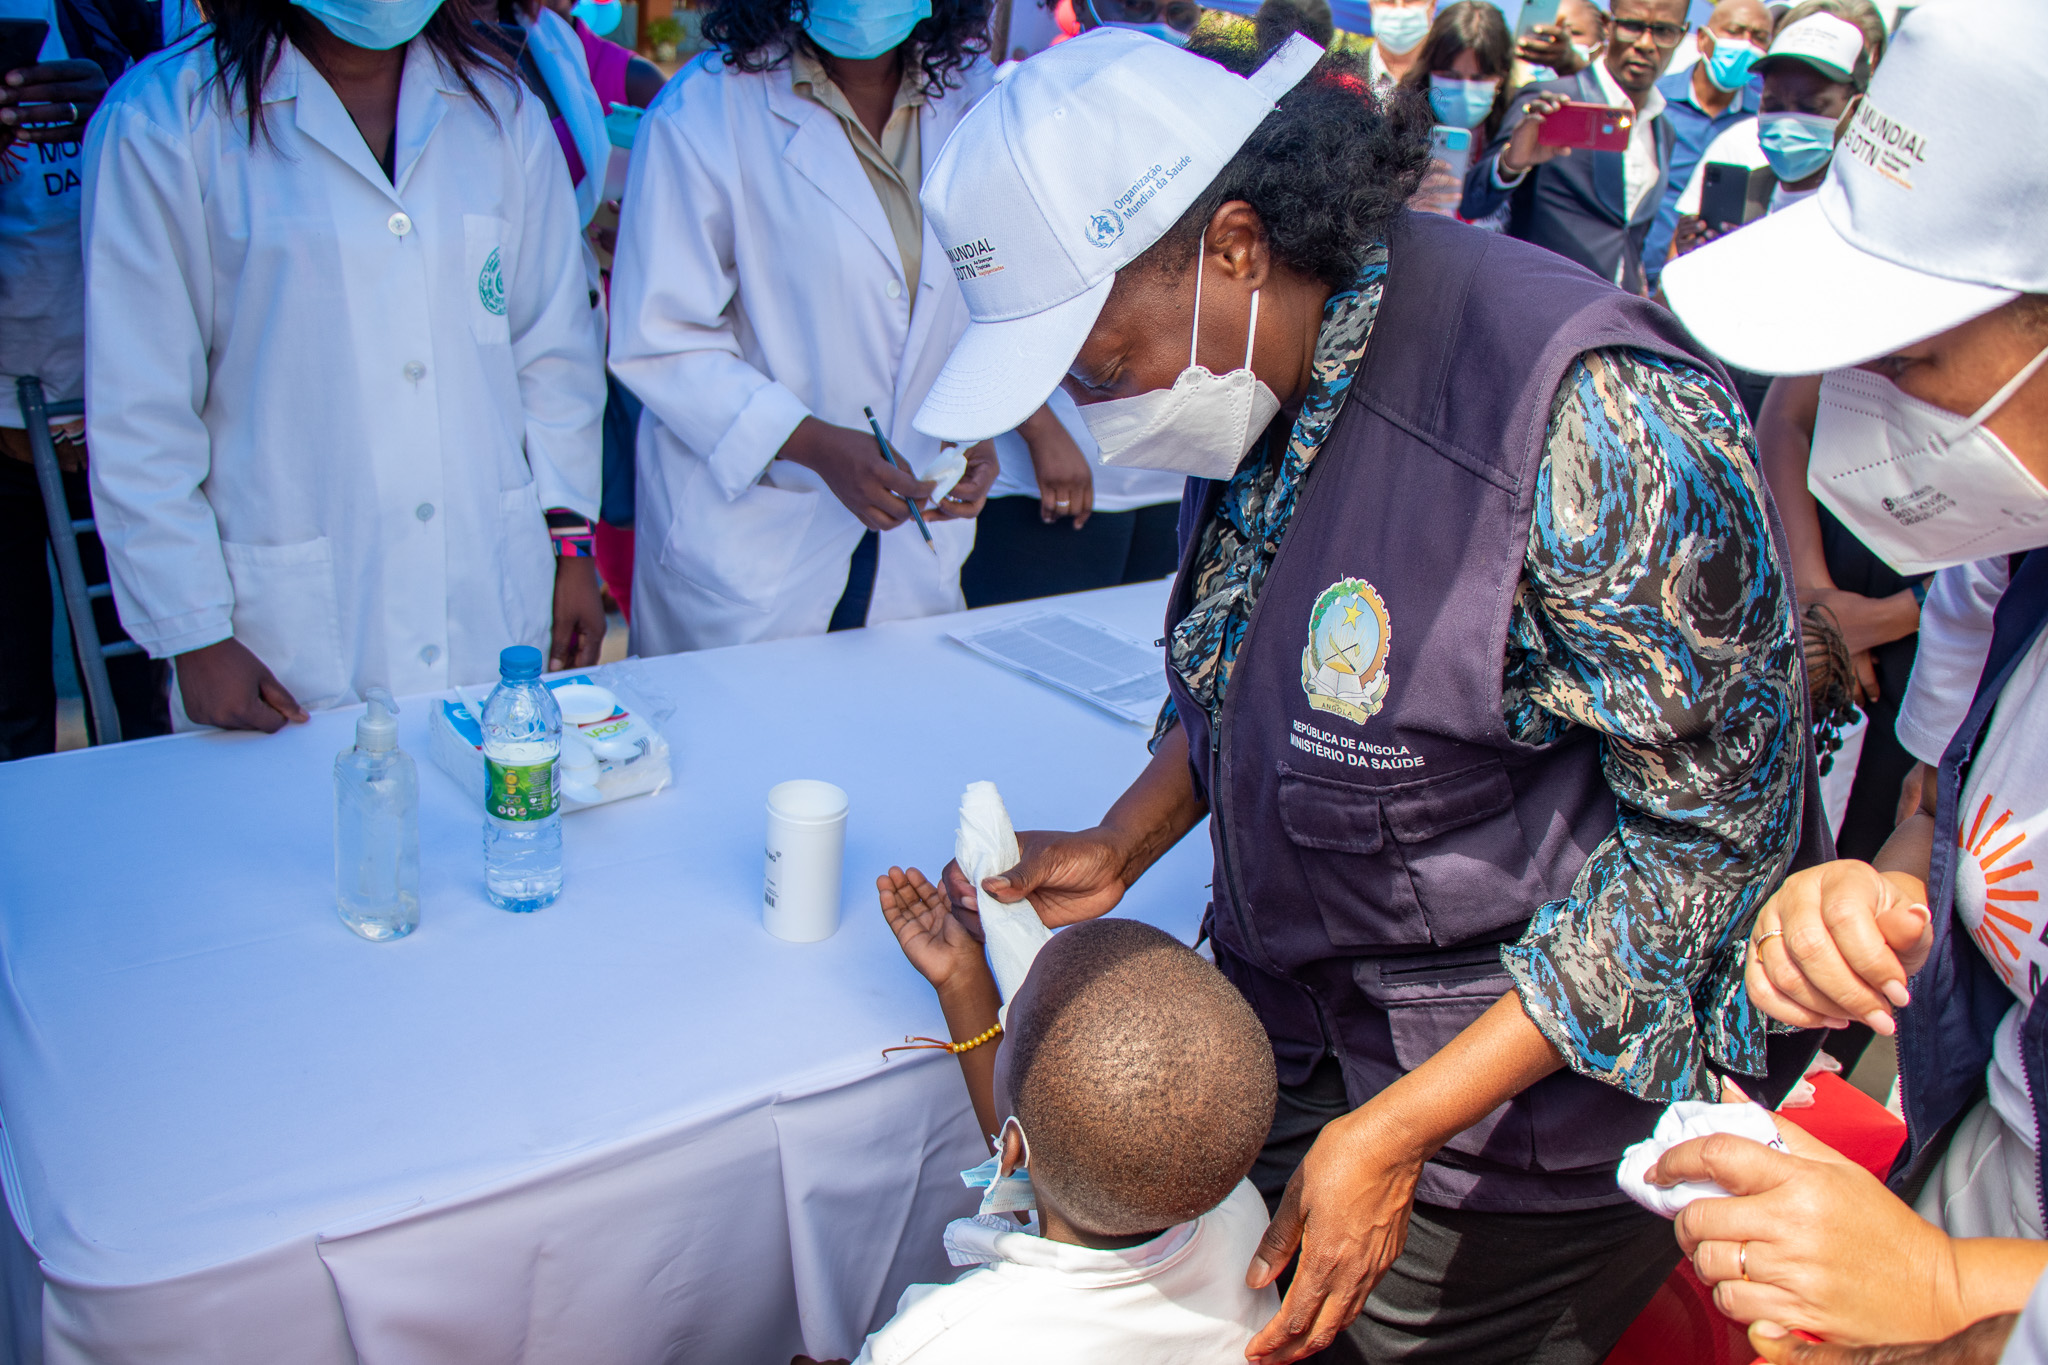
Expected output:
{"points": [[759, 34], [1328, 172]]}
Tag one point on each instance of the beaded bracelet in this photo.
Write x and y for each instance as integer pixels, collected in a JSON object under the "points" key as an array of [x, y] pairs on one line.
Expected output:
{"points": [[910, 1044]]}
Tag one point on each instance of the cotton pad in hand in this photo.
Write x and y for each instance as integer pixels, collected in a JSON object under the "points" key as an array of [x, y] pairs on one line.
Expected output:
{"points": [[1682, 1122], [945, 472], [986, 846]]}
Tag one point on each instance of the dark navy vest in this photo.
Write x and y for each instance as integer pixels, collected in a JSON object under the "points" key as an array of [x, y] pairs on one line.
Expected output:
{"points": [[1378, 833], [1945, 1035]]}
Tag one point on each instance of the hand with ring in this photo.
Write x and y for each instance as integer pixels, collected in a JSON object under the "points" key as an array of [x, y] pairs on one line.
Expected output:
{"points": [[1838, 943], [51, 101], [1809, 1241]]}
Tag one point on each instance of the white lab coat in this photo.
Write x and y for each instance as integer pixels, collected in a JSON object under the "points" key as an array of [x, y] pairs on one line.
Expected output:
{"points": [[327, 413], [757, 283]]}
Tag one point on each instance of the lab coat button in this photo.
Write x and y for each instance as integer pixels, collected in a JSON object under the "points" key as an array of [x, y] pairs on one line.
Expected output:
{"points": [[399, 224], [425, 511], [414, 371], [894, 290], [429, 654]]}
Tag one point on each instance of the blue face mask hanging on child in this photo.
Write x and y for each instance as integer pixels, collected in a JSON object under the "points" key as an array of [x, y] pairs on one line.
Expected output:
{"points": [[1460, 103], [1796, 145], [860, 29], [379, 25]]}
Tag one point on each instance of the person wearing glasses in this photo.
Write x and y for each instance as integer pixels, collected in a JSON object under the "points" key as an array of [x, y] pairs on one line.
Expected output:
{"points": [[1593, 207]]}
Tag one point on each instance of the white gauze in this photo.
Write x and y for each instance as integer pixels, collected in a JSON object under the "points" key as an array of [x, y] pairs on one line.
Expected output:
{"points": [[986, 846]]}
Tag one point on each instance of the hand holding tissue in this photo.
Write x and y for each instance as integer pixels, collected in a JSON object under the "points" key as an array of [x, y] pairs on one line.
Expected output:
{"points": [[986, 846], [1682, 1122]]}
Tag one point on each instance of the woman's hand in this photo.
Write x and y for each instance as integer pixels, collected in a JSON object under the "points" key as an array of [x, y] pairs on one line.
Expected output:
{"points": [[965, 499], [1346, 1210], [1066, 486], [1837, 943], [1440, 192], [938, 942], [1820, 1246], [1347, 1206], [1067, 877], [577, 636], [1980, 1343], [873, 489], [1523, 151], [224, 685], [51, 101], [1549, 45]]}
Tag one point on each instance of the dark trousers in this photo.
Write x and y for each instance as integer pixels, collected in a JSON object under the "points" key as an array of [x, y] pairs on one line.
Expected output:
{"points": [[28, 690], [1472, 1287], [1018, 556]]}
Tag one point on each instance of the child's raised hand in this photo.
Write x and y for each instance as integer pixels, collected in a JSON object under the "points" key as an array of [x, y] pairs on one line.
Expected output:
{"points": [[933, 938]]}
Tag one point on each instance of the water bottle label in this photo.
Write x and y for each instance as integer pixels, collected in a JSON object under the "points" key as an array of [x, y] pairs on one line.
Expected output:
{"points": [[516, 792]]}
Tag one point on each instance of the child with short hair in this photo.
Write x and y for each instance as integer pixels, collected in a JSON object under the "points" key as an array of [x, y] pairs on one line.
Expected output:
{"points": [[1135, 1088]]}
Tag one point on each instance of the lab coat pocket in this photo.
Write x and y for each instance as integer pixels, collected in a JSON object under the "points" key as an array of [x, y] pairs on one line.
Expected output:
{"points": [[485, 269], [528, 583], [741, 549], [287, 614]]}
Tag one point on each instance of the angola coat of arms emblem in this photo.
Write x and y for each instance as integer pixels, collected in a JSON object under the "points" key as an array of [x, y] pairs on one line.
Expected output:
{"points": [[1344, 668]]}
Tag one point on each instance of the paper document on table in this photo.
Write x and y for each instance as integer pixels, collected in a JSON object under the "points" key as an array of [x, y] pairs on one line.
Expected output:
{"points": [[1123, 676]]}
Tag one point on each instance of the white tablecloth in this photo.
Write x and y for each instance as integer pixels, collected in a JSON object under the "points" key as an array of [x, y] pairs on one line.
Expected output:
{"points": [[631, 1127]]}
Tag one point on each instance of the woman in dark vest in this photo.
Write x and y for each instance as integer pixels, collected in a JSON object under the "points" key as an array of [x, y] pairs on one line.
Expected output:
{"points": [[1930, 443], [1482, 666]]}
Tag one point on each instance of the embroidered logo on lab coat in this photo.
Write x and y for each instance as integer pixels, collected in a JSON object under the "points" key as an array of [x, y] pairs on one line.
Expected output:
{"points": [[1344, 668], [490, 285]]}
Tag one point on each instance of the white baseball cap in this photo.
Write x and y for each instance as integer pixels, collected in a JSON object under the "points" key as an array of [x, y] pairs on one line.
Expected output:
{"points": [[1931, 213], [1826, 42], [1082, 158]]}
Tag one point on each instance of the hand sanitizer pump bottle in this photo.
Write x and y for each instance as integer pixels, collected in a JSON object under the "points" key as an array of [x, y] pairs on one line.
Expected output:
{"points": [[377, 828]]}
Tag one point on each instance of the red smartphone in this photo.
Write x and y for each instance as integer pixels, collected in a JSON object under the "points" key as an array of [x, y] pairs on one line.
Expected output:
{"points": [[1602, 127]]}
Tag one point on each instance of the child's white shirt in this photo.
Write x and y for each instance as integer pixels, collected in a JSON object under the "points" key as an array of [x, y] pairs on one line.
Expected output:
{"points": [[1178, 1298]]}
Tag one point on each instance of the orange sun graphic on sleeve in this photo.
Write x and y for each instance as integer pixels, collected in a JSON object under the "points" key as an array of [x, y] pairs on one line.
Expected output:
{"points": [[1986, 874]]}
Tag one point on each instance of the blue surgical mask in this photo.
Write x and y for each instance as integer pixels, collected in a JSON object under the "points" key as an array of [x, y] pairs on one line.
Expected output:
{"points": [[859, 29], [1796, 145], [1400, 30], [599, 16], [1164, 32], [1728, 64], [1002, 1193], [1460, 103], [379, 25]]}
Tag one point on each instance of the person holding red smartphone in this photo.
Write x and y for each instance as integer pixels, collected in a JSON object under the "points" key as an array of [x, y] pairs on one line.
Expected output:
{"points": [[1589, 187]]}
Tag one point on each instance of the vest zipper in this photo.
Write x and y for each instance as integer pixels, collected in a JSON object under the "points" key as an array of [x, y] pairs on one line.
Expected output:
{"points": [[1219, 762]]}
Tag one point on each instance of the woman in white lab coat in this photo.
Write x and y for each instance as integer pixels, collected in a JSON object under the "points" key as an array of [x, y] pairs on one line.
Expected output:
{"points": [[342, 365], [760, 300]]}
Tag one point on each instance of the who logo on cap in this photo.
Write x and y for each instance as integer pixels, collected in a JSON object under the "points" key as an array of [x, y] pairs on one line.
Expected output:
{"points": [[1077, 162], [1932, 212]]}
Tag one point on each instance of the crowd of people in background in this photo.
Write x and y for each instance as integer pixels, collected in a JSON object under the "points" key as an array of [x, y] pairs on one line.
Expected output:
{"points": [[408, 330]]}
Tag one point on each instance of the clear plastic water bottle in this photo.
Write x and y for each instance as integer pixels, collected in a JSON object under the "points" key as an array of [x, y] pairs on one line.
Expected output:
{"points": [[522, 805], [377, 828]]}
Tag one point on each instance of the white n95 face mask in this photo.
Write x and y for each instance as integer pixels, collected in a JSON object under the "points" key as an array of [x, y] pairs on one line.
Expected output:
{"points": [[1923, 488], [1200, 427]]}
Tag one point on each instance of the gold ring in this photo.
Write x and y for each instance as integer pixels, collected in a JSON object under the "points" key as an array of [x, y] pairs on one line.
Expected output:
{"points": [[1742, 1260], [1757, 944]]}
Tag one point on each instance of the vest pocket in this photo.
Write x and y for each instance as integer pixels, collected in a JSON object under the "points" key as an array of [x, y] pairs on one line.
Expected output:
{"points": [[1441, 861]]}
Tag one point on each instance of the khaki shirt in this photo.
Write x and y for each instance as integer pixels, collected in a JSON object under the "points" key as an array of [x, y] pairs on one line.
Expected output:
{"points": [[894, 165]]}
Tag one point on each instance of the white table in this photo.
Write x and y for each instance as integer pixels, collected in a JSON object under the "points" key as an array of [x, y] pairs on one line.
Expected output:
{"points": [[631, 1127]]}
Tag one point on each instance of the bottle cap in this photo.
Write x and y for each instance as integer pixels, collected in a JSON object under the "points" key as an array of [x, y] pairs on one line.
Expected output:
{"points": [[519, 663], [377, 731]]}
